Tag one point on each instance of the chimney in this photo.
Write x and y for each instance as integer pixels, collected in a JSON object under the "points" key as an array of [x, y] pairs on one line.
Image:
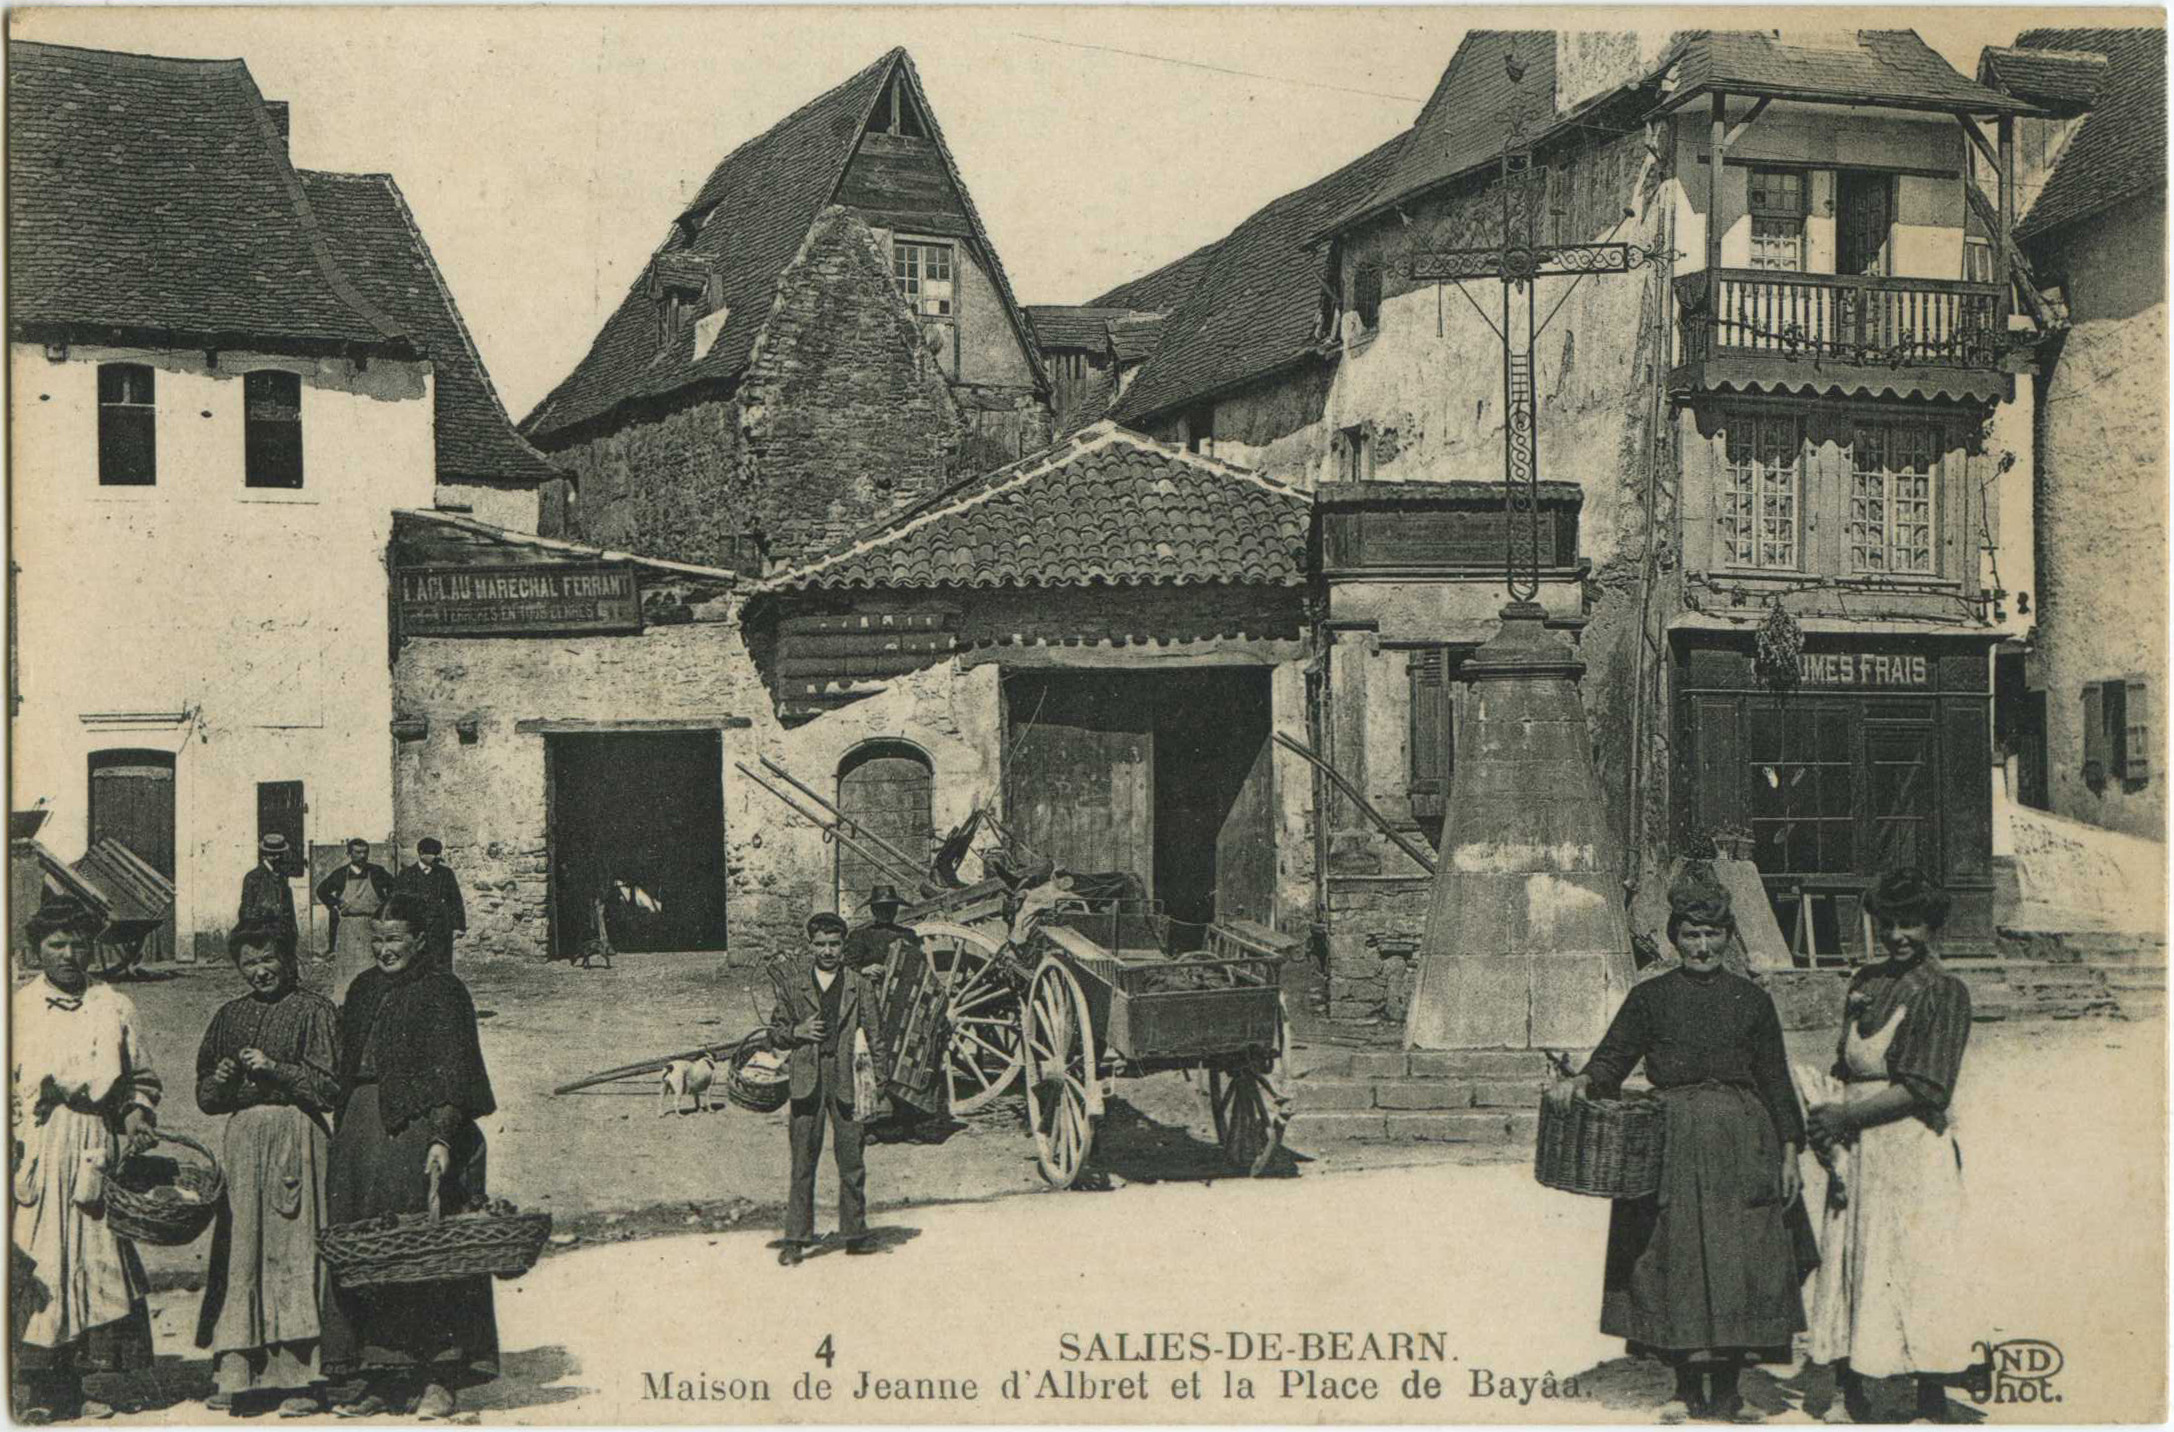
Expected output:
{"points": [[277, 108]]}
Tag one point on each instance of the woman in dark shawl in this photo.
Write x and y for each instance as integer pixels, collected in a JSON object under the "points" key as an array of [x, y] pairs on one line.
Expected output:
{"points": [[269, 1062], [412, 1085], [1893, 1295], [1705, 1273]]}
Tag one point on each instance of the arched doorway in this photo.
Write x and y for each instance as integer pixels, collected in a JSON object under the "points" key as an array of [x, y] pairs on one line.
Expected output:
{"points": [[132, 801], [885, 787]]}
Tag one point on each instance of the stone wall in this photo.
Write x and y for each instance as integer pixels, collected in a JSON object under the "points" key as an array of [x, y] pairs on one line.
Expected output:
{"points": [[1375, 926], [665, 485]]}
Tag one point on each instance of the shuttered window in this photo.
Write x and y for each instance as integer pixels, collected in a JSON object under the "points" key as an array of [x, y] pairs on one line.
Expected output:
{"points": [[2136, 731], [1433, 731], [2094, 735], [127, 426], [2117, 732]]}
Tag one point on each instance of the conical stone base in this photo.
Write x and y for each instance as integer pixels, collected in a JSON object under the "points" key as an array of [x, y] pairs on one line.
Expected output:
{"points": [[1526, 944]]}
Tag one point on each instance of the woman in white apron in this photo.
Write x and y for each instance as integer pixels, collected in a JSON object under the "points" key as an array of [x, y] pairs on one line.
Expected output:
{"points": [[83, 1097], [354, 893], [1891, 1296]]}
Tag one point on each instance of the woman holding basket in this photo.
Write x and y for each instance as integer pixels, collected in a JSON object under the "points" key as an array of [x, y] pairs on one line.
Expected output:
{"points": [[1892, 1294], [412, 1085], [1704, 1274], [84, 1098]]}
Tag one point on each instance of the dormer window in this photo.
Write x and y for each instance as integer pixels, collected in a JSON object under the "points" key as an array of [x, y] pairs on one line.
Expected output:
{"points": [[684, 288]]}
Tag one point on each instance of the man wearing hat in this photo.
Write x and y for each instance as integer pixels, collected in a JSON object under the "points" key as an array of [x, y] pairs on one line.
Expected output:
{"points": [[267, 899], [431, 880], [867, 948]]}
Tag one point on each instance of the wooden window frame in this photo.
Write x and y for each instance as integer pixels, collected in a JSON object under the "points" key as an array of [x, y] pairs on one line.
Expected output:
{"points": [[2117, 732], [1874, 519], [127, 426], [1754, 498], [1786, 221], [272, 456], [910, 269]]}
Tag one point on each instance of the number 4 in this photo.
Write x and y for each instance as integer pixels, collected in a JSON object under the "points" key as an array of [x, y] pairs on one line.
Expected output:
{"points": [[826, 1352]]}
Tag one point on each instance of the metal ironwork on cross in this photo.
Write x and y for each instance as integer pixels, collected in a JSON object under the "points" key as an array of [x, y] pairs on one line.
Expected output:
{"points": [[1518, 262]]}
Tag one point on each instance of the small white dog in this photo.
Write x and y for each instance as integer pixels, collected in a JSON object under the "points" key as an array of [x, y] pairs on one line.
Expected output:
{"points": [[683, 1077]]}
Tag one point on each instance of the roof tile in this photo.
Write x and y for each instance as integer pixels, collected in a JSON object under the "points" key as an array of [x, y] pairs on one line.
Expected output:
{"points": [[2120, 149]]}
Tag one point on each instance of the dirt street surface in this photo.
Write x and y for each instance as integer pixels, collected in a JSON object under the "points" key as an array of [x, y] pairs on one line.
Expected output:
{"points": [[670, 1267]]}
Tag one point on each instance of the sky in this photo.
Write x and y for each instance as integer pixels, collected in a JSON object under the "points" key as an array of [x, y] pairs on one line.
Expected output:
{"points": [[544, 150]]}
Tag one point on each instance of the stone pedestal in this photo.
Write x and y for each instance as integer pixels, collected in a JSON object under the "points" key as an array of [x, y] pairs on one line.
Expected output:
{"points": [[1526, 945]]}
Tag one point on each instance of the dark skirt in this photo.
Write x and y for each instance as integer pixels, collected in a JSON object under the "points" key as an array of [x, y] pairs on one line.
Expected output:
{"points": [[1708, 1262], [448, 1327]]}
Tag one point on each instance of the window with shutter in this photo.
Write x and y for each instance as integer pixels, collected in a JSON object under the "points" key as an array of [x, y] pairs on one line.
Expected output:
{"points": [[127, 426], [1432, 749], [2136, 753], [2094, 737]]}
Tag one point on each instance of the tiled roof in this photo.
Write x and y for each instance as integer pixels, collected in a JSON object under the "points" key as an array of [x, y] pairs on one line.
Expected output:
{"points": [[1106, 507], [1462, 125], [1892, 67], [746, 225], [154, 196], [2120, 149], [376, 241], [2062, 81], [1163, 289], [1064, 325], [1257, 307], [1137, 337]]}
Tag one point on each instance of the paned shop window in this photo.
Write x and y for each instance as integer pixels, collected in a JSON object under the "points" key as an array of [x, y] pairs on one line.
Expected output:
{"points": [[127, 426], [924, 277], [1777, 219], [1891, 499], [1762, 491], [272, 432]]}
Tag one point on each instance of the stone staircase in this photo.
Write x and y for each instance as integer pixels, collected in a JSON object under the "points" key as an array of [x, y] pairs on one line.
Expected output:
{"points": [[1487, 1097]]}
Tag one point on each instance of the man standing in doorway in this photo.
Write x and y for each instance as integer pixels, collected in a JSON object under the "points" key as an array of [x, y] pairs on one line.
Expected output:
{"points": [[825, 1015], [267, 899], [432, 879]]}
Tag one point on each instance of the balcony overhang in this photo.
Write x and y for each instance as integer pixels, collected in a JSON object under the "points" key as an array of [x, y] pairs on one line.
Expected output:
{"points": [[1772, 374]]}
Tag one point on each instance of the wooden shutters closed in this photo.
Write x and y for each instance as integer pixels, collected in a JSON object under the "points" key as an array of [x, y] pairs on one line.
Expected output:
{"points": [[887, 789], [132, 801], [1433, 735]]}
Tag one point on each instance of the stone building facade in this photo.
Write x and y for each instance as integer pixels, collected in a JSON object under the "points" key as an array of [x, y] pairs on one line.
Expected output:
{"points": [[825, 336]]}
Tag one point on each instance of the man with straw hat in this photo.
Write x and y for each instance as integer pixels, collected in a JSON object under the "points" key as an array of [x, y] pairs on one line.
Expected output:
{"points": [[267, 899]]}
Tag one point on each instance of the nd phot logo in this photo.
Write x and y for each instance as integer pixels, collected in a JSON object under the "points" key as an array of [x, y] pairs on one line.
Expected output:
{"points": [[2019, 1370]]}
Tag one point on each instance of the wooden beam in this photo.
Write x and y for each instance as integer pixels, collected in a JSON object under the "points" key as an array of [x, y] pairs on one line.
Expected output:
{"points": [[1736, 130], [2006, 170], [582, 726], [1977, 138], [1719, 151]]}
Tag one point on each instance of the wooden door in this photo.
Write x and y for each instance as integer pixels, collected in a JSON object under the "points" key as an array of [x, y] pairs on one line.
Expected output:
{"points": [[884, 789], [132, 801], [1079, 776], [1865, 205]]}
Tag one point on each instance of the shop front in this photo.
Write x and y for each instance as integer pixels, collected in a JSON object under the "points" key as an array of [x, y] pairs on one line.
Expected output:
{"points": [[1875, 752]]}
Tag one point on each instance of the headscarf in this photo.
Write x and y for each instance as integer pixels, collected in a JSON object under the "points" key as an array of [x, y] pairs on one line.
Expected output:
{"points": [[1907, 896], [1697, 898]]}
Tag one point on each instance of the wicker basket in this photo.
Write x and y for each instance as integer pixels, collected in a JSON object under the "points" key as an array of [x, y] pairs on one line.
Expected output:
{"points": [[432, 1249], [145, 1206], [756, 1076], [1610, 1148]]}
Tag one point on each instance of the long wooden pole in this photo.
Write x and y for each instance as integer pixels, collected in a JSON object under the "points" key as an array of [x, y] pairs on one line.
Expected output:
{"points": [[831, 830], [645, 1066], [843, 819], [1300, 748]]}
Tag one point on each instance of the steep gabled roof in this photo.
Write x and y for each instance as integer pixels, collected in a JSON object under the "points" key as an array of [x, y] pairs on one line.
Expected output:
{"points": [[745, 226], [2120, 149], [377, 243], [2060, 82], [1066, 325], [1107, 507], [1463, 123], [1257, 306], [1893, 68], [152, 198], [1160, 290]]}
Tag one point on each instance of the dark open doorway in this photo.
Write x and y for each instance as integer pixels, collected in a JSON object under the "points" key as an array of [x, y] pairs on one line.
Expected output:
{"points": [[1165, 776], [647, 809]]}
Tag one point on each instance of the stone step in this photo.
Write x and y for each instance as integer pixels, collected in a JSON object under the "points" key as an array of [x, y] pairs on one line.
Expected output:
{"points": [[1470, 1064], [1493, 1127], [1350, 1095]]}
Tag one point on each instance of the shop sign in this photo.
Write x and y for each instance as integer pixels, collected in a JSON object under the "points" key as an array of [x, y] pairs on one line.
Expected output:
{"points": [[505, 601], [1853, 668]]}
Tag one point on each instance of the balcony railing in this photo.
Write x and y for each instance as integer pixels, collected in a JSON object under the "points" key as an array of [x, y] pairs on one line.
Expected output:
{"points": [[1836, 319]]}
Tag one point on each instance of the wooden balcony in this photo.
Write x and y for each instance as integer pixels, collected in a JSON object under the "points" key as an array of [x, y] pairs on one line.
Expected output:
{"points": [[1764, 331]]}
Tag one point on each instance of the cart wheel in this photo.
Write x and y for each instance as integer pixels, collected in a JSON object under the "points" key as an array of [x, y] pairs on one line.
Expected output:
{"points": [[1251, 1105], [979, 1010], [1060, 1059]]}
